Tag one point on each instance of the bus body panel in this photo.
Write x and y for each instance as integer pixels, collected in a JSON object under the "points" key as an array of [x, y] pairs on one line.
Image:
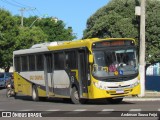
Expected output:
{"points": [[24, 81], [22, 86], [61, 83], [113, 89]]}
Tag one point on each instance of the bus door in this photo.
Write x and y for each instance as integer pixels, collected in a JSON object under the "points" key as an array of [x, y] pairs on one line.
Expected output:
{"points": [[61, 77], [48, 74], [83, 73]]}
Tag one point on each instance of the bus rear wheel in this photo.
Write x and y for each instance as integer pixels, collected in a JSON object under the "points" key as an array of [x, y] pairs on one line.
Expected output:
{"points": [[35, 93], [114, 100]]}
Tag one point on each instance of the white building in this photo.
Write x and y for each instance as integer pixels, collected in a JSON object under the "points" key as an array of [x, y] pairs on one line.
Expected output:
{"points": [[153, 69], [10, 70]]}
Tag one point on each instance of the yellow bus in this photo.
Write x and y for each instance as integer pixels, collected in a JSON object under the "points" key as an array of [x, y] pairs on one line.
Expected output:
{"points": [[80, 70]]}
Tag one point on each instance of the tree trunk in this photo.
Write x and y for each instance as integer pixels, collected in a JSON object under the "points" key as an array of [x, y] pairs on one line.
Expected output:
{"points": [[7, 69]]}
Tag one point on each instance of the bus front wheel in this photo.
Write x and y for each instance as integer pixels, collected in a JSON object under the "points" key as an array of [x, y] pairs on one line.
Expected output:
{"points": [[75, 96], [35, 93]]}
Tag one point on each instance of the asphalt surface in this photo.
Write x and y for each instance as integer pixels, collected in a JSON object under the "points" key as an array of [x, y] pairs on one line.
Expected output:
{"points": [[93, 110]]}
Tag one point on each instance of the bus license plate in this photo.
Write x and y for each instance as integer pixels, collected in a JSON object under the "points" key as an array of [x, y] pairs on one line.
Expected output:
{"points": [[119, 91]]}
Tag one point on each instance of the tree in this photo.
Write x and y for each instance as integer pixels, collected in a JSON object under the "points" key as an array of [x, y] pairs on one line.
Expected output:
{"points": [[13, 37], [117, 19], [55, 29], [28, 37], [8, 31]]}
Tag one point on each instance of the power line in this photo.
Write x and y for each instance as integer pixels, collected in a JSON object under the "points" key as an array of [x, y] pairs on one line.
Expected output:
{"points": [[28, 7], [22, 10], [15, 3], [39, 12], [21, 4], [30, 13], [7, 2], [34, 12]]}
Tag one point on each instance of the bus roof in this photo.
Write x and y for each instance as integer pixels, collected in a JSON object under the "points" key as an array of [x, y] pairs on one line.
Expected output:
{"points": [[60, 45], [42, 47], [83, 43]]}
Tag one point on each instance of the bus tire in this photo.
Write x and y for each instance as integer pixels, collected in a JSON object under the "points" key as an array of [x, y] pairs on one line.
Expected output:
{"points": [[75, 96], [115, 100], [15, 95], [8, 93], [35, 93], [42, 98], [66, 100]]}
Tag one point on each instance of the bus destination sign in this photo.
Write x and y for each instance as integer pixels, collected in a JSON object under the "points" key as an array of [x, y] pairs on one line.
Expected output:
{"points": [[113, 43]]}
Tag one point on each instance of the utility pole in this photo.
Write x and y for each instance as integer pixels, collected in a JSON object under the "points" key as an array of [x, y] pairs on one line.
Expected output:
{"points": [[34, 22], [39, 18], [142, 49], [22, 10]]}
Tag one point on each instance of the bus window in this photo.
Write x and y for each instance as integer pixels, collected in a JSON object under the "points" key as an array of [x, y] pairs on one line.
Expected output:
{"points": [[49, 62], [99, 58], [39, 62], [17, 64], [59, 61], [121, 60], [31, 62], [24, 63], [71, 60]]}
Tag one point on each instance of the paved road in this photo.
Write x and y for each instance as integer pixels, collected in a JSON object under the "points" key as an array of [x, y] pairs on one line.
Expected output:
{"points": [[59, 108]]}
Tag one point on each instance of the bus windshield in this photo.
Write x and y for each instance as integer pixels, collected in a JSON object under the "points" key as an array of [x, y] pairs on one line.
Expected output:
{"points": [[109, 63]]}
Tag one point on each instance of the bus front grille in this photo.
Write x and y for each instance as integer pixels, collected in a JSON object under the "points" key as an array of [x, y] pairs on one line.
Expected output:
{"points": [[113, 92]]}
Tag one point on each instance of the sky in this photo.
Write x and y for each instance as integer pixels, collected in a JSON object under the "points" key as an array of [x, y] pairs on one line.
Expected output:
{"points": [[74, 13]]}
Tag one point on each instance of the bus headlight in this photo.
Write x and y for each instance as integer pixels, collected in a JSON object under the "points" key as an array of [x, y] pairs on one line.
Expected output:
{"points": [[100, 85], [135, 84], [96, 84]]}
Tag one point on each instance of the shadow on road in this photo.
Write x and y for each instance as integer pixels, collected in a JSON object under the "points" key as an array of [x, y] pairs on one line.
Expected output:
{"points": [[68, 101], [63, 100], [2, 88]]}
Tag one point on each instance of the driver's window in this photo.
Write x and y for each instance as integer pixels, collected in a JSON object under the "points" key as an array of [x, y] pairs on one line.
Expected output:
{"points": [[99, 58]]}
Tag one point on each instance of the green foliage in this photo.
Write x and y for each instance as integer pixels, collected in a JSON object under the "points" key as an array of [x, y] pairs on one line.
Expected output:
{"points": [[110, 20], [28, 37], [13, 37], [8, 31], [55, 30], [117, 19], [153, 30]]}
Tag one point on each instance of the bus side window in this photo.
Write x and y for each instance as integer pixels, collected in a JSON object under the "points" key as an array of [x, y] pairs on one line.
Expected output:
{"points": [[17, 64], [39, 62], [71, 60], [59, 61], [49, 62], [32, 62], [24, 63]]}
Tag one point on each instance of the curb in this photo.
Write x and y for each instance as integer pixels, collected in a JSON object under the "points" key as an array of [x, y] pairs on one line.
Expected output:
{"points": [[141, 99], [149, 96]]}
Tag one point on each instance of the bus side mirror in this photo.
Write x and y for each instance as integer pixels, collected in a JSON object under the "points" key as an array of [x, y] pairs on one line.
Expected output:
{"points": [[91, 58]]}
